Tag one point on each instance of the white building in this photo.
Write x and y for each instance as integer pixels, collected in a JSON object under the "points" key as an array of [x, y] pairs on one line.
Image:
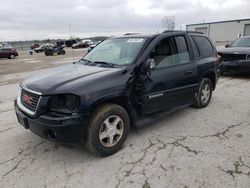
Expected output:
{"points": [[224, 31]]}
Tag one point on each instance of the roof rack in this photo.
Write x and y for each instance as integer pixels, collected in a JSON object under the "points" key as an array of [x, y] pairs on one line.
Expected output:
{"points": [[169, 31], [131, 34]]}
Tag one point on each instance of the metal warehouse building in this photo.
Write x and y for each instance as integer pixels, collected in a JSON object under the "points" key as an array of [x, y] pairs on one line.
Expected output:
{"points": [[224, 31]]}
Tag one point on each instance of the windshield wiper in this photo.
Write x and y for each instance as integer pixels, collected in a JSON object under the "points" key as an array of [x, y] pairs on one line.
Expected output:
{"points": [[104, 63], [85, 60]]}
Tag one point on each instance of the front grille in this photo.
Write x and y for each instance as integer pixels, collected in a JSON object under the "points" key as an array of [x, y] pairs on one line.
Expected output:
{"points": [[29, 100], [233, 57]]}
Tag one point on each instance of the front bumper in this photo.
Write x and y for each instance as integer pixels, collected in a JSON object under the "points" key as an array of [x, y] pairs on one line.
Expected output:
{"points": [[66, 129], [234, 66]]}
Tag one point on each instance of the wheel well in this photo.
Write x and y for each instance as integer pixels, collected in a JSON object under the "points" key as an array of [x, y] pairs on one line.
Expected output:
{"points": [[123, 102], [211, 76]]}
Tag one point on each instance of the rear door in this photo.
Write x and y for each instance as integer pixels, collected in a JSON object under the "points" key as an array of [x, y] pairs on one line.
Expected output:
{"points": [[4, 52], [1, 53], [172, 83]]}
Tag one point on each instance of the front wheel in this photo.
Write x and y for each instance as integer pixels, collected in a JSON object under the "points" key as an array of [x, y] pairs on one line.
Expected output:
{"points": [[108, 130], [204, 94]]}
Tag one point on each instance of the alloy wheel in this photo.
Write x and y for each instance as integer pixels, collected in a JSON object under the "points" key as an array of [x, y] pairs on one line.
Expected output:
{"points": [[111, 131]]}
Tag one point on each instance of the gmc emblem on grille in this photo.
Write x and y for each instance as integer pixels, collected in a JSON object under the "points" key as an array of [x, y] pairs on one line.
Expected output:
{"points": [[27, 99]]}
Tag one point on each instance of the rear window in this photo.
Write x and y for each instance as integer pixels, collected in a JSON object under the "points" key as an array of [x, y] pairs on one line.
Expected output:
{"points": [[204, 45]]}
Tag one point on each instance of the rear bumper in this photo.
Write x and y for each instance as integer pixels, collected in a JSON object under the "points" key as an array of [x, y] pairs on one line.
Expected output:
{"points": [[67, 129], [234, 66]]}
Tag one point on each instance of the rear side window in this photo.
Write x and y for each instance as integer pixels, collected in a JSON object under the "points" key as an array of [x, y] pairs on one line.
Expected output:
{"points": [[183, 54], [181, 44], [194, 47], [204, 45]]}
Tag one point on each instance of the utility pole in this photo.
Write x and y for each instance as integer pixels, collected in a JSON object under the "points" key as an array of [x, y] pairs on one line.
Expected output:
{"points": [[70, 36]]}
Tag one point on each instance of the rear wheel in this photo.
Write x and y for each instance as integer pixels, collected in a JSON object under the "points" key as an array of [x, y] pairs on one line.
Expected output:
{"points": [[61, 52], [108, 130], [12, 56], [204, 94], [48, 52]]}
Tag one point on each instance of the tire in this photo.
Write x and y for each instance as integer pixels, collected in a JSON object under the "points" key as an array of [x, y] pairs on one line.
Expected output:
{"points": [[61, 52], [12, 56], [48, 53], [101, 131], [204, 94]]}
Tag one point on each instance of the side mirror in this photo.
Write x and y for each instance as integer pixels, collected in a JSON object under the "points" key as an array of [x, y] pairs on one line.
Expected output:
{"points": [[227, 45], [147, 66]]}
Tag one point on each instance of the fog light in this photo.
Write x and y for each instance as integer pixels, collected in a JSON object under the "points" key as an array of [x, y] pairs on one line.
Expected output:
{"points": [[51, 134]]}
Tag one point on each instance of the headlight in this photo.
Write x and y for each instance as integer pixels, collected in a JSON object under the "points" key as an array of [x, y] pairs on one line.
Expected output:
{"points": [[64, 103]]}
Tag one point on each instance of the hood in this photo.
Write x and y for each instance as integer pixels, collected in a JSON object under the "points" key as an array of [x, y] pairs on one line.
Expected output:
{"points": [[235, 50], [61, 79]]}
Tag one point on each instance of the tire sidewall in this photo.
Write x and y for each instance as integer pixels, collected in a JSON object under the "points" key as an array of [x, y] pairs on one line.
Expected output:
{"points": [[96, 123], [12, 56], [203, 82]]}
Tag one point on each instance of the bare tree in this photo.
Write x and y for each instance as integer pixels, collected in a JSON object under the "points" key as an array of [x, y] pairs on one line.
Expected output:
{"points": [[168, 22]]}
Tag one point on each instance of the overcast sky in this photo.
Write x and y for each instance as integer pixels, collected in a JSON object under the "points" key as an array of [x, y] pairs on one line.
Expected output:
{"points": [[42, 19]]}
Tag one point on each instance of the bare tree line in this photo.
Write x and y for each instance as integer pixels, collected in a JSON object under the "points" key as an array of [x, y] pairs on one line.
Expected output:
{"points": [[168, 22]]}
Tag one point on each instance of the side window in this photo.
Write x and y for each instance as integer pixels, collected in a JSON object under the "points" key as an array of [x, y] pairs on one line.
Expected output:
{"points": [[183, 55], [204, 45], [163, 53], [170, 51], [194, 47]]}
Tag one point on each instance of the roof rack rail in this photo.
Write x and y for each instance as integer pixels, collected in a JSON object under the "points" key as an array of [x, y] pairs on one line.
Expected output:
{"points": [[198, 32], [169, 31], [131, 34]]}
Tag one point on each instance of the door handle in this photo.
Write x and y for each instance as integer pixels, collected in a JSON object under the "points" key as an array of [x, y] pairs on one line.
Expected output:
{"points": [[188, 72]]}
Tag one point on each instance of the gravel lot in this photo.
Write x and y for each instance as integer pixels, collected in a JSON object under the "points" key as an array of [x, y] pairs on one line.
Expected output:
{"points": [[190, 148]]}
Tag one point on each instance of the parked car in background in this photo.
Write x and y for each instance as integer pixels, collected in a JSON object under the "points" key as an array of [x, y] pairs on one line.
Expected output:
{"points": [[92, 46], [50, 51], [83, 44], [9, 53], [43, 47], [88, 41], [69, 43], [34, 45], [123, 82], [80, 45], [7, 46], [235, 57]]}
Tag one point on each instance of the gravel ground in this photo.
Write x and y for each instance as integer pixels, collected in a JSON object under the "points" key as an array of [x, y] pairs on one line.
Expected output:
{"points": [[207, 147]]}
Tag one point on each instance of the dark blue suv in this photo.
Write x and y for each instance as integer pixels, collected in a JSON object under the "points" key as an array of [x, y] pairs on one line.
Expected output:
{"points": [[122, 82]]}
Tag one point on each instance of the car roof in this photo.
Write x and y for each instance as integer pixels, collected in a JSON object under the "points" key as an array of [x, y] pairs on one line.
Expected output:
{"points": [[139, 35]]}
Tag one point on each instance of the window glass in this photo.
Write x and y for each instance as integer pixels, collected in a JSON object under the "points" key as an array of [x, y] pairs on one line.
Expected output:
{"points": [[241, 42], [163, 53], [183, 54], [170, 51], [194, 47], [121, 51], [204, 46]]}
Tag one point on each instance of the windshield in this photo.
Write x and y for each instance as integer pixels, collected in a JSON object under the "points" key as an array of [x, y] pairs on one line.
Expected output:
{"points": [[241, 42], [121, 51]]}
